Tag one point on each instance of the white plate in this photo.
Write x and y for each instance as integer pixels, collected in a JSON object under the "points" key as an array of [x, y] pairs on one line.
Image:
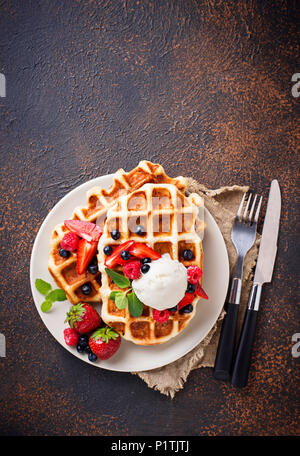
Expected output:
{"points": [[131, 357]]}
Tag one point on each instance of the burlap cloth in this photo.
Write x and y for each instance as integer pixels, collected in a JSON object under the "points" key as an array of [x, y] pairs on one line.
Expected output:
{"points": [[222, 203]]}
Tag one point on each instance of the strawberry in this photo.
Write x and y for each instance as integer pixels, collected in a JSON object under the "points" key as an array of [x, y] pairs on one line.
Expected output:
{"points": [[161, 315], [140, 250], [85, 253], [187, 299], [104, 342], [200, 292], [83, 318], [115, 257], [70, 242], [86, 230], [71, 336]]}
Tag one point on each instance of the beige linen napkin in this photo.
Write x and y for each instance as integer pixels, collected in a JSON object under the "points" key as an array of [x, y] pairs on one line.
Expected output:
{"points": [[222, 203]]}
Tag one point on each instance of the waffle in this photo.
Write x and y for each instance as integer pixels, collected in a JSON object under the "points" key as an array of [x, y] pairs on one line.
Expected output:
{"points": [[99, 200], [169, 219]]}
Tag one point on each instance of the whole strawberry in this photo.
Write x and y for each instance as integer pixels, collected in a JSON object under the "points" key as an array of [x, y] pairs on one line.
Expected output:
{"points": [[83, 317], [104, 342]]}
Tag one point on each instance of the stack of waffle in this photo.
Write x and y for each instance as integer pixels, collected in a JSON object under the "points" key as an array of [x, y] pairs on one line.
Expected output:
{"points": [[145, 196]]}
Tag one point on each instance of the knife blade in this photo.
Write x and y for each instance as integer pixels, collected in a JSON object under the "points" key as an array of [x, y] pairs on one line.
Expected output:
{"points": [[263, 273], [268, 242]]}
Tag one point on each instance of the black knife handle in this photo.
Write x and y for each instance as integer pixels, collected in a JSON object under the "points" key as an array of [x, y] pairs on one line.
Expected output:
{"points": [[223, 362], [243, 355]]}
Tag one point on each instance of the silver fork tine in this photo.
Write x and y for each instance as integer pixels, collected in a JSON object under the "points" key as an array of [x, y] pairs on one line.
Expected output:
{"points": [[246, 208], [257, 210], [252, 210], [238, 214]]}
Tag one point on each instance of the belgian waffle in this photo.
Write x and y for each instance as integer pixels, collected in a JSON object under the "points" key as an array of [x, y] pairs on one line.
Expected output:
{"points": [[63, 270], [171, 225]]}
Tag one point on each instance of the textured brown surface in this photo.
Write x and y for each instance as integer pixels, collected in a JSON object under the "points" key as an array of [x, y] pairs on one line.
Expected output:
{"points": [[204, 88]]}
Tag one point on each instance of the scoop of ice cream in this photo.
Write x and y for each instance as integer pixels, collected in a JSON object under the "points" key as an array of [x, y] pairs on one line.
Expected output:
{"points": [[164, 285]]}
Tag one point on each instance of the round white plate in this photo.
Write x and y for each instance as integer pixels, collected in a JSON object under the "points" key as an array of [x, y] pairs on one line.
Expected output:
{"points": [[131, 357]]}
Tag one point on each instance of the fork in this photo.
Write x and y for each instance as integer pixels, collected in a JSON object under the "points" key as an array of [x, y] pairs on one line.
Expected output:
{"points": [[243, 235]]}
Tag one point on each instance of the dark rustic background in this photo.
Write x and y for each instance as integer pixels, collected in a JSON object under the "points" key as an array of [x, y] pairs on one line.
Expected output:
{"points": [[202, 87]]}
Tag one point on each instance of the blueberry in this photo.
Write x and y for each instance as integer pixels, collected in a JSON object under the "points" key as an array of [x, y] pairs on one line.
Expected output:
{"points": [[186, 309], [146, 260], [108, 250], [88, 349], [188, 255], [115, 234], [173, 309], [125, 255], [191, 288], [145, 268], [83, 341], [64, 253], [86, 288], [80, 349], [140, 230], [92, 268], [92, 357]]}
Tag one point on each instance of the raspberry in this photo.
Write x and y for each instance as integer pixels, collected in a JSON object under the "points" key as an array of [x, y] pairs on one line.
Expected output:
{"points": [[71, 336], [132, 270], [200, 292], [194, 274], [160, 315], [70, 242]]}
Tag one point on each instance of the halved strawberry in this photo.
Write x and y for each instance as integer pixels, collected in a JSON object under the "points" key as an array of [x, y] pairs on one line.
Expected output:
{"points": [[86, 230], [140, 250], [85, 253], [187, 299], [115, 258], [200, 292]]}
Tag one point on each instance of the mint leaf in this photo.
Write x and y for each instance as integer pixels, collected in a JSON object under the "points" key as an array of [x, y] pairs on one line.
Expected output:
{"points": [[46, 305], [42, 286], [105, 333], [135, 306], [56, 295], [118, 279], [113, 294], [121, 301]]}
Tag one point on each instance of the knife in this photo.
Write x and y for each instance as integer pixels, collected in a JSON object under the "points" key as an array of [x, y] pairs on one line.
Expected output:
{"points": [[263, 274]]}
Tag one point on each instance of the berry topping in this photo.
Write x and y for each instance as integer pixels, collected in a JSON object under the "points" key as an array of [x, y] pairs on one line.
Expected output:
{"points": [[187, 309], [107, 250], [104, 342], [86, 288], [70, 242], [140, 250], [200, 292], [86, 230], [187, 255], [83, 341], [92, 268], [132, 270], [146, 260], [83, 317], [140, 230], [160, 315], [125, 255], [194, 274], [80, 349], [190, 288], [115, 234], [92, 357], [71, 337], [64, 253], [145, 268], [85, 252], [115, 257], [173, 309], [187, 299]]}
